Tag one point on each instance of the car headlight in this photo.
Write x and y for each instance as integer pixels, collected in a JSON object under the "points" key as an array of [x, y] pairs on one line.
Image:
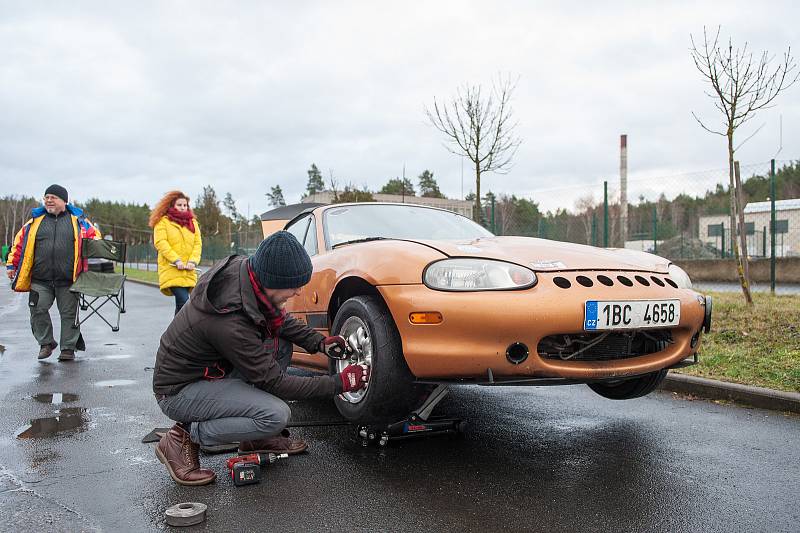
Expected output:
{"points": [[680, 277], [477, 275]]}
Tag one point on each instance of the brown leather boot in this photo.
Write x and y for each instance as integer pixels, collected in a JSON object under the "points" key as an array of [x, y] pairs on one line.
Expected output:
{"points": [[46, 350], [277, 444], [180, 455]]}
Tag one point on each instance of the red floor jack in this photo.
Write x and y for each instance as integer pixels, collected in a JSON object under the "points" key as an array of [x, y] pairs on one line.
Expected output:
{"points": [[418, 424]]}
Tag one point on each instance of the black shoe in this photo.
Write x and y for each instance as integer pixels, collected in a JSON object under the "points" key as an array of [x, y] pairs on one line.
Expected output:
{"points": [[66, 355], [46, 350]]}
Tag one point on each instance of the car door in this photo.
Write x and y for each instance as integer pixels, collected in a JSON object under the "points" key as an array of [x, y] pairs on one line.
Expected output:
{"points": [[309, 306]]}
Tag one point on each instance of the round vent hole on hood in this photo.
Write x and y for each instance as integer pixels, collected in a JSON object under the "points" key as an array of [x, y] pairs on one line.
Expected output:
{"points": [[564, 283], [642, 280], [625, 281], [671, 283], [605, 280], [657, 281], [583, 280]]}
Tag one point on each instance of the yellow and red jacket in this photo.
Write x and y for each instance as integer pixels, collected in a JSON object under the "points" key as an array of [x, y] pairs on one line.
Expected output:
{"points": [[20, 256]]}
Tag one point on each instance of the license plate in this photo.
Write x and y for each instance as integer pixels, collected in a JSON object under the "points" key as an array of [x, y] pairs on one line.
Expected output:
{"points": [[632, 314]]}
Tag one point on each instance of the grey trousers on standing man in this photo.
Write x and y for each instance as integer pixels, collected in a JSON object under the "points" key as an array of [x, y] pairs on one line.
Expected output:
{"points": [[40, 299]]}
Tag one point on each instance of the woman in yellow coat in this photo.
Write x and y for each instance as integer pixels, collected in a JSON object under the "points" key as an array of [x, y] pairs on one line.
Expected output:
{"points": [[176, 236]]}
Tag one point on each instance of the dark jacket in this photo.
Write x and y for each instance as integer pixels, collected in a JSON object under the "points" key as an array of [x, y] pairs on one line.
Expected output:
{"points": [[54, 252], [221, 328]]}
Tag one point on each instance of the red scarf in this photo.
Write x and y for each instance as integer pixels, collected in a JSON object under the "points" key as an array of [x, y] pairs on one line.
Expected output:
{"points": [[274, 317], [184, 218]]}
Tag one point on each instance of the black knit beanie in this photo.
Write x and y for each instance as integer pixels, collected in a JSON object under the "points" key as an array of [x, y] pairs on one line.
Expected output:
{"points": [[57, 190], [281, 262]]}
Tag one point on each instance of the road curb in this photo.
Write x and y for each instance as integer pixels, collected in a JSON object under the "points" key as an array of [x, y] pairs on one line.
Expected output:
{"points": [[745, 394]]}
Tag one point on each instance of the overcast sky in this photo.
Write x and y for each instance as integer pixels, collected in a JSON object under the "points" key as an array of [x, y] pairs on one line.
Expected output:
{"points": [[124, 101]]}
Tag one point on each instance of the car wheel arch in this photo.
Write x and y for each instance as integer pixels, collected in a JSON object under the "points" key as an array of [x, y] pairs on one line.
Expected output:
{"points": [[347, 288]]}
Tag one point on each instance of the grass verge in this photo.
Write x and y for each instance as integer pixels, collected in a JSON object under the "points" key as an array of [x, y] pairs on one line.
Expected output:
{"points": [[142, 275], [758, 346]]}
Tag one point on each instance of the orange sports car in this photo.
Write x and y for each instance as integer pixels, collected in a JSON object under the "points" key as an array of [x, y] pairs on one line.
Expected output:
{"points": [[426, 296]]}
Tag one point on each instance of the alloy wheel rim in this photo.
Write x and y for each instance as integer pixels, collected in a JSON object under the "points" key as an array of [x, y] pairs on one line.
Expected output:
{"points": [[358, 336]]}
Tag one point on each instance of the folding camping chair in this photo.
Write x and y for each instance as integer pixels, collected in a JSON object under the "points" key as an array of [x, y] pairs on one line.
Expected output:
{"points": [[110, 287]]}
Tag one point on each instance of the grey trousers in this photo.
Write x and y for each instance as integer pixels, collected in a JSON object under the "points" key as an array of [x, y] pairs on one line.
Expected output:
{"points": [[40, 300], [229, 409]]}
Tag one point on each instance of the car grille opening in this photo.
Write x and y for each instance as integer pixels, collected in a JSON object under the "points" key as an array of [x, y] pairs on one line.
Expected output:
{"points": [[604, 346]]}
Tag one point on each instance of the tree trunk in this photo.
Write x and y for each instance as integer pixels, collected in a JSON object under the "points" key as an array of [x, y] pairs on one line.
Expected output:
{"points": [[734, 212], [742, 229], [478, 213]]}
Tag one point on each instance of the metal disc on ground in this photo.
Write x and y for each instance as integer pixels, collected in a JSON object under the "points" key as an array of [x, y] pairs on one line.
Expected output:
{"points": [[186, 514]]}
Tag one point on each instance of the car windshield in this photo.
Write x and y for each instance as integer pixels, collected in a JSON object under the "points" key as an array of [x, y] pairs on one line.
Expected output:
{"points": [[370, 221]]}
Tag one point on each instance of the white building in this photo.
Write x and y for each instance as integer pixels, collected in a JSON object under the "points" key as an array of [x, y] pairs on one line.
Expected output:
{"points": [[716, 228]]}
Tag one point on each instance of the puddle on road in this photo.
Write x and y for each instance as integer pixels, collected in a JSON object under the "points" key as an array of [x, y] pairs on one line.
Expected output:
{"points": [[56, 398], [69, 420], [116, 356], [115, 383]]}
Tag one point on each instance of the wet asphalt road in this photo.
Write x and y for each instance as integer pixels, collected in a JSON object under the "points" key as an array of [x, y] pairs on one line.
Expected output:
{"points": [[547, 459]]}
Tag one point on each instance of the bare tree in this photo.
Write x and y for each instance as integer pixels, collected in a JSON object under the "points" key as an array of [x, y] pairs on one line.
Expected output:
{"points": [[586, 206], [334, 185], [507, 212], [480, 127], [741, 86], [14, 212]]}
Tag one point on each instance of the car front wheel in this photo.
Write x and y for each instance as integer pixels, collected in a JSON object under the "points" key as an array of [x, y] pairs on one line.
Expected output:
{"points": [[630, 388], [391, 391]]}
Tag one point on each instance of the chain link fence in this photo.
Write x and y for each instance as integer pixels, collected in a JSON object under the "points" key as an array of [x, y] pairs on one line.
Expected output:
{"points": [[681, 217]]}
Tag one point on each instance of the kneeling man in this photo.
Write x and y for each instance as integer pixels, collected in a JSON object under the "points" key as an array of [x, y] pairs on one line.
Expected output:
{"points": [[217, 371]]}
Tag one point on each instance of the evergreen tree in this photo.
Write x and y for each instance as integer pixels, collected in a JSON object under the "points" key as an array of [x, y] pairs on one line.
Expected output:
{"points": [[230, 206], [398, 186], [275, 197], [209, 214], [351, 193], [315, 182], [428, 186]]}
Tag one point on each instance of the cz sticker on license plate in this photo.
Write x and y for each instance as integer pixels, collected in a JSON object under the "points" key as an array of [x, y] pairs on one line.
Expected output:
{"points": [[631, 314]]}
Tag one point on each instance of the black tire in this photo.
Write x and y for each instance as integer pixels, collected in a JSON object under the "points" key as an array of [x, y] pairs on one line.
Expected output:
{"points": [[391, 393], [630, 388]]}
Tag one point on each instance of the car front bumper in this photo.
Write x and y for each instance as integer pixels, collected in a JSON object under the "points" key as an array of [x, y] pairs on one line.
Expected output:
{"points": [[478, 328]]}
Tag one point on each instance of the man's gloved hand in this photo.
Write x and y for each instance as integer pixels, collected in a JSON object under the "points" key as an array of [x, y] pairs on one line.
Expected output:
{"points": [[334, 347], [354, 377]]}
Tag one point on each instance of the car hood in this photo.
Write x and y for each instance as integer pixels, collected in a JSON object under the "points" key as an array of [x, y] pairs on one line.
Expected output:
{"points": [[549, 256]]}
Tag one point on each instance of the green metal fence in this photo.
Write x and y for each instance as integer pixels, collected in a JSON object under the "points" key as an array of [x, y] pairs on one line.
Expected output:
{"points": [[680, 217]]}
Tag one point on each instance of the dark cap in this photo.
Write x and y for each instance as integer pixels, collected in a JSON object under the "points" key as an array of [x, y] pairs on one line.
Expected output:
{"points": [[281, 262], [57, 190]]}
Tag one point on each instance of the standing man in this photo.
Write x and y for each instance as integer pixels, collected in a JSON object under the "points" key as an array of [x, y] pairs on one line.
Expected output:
{"points": [[44, 261], [218, 372]]}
